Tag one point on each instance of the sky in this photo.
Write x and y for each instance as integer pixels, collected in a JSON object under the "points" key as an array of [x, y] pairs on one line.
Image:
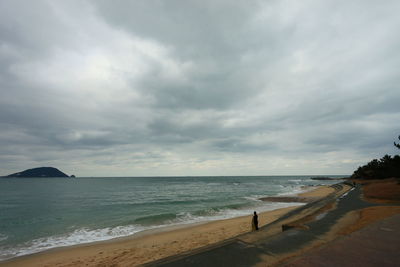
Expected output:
{"points": [[176, 88]]}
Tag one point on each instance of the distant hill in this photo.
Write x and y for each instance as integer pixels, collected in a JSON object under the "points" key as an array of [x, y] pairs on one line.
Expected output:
{"points": [[39, 172]]}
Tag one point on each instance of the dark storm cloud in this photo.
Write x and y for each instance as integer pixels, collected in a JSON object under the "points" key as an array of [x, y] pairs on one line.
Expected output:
{"points": [[197, 87]]}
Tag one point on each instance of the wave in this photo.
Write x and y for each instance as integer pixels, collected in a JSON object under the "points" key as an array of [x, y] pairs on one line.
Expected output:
{"points": [[85, 235], [3, 237], [292, 190], [255, 198], [155, 219], [235, 198], [79, 236], [214, 213]]}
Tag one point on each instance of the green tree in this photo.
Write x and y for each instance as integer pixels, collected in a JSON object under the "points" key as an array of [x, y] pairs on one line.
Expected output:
{"points": [[386, 167], [397, 145]]}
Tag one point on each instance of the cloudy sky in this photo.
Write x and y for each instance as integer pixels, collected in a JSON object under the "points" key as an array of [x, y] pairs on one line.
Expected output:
{"points": [[145, 87]]}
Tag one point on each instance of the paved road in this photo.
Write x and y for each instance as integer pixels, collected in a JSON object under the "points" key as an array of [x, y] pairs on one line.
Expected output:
{"points": [[235, 252], [375, 245]]}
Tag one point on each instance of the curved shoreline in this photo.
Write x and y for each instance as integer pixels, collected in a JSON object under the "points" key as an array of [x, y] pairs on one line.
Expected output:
{"points": [[305, 197], [311, 229], [153, 244]]}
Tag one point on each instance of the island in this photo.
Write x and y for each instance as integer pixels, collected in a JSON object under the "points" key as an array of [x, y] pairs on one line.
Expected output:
{"points": [[40, 173]]}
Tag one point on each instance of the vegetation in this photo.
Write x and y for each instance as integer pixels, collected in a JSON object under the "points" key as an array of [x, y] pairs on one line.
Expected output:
{"points": [[39, 172], [397, 145], [385, 167]]}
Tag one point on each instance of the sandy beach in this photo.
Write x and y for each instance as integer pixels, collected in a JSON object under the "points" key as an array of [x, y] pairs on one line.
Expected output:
{"points": [[343, 228], [155, 244], [306, 197]]}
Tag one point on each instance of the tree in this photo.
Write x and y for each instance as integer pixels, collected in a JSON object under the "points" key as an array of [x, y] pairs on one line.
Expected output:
{"points": [[397, 145], [386, 167]]}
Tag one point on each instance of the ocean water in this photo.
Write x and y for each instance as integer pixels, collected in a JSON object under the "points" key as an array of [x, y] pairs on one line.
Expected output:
{"points": [[42, 213]]}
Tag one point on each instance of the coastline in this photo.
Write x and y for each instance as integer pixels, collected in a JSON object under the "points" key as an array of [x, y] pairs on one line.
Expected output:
{"points": [[155, 244], [325, 231], [305, 197]]}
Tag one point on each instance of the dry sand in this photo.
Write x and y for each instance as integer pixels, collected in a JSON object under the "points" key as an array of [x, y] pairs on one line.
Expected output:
{"points": [[386, 191], [383, 191], [152, 245]]}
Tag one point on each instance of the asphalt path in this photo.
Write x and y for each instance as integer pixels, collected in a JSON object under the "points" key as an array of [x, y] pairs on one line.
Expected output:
{"points": [[375, 245], [236, 252]]}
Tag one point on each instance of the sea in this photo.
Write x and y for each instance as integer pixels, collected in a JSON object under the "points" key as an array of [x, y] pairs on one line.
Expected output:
{"points": [[38, 214]]}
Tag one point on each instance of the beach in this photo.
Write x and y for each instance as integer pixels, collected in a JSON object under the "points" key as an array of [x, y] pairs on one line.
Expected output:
{"points": [[335, 215], [155, 244], [348, 227], [39, 214]]}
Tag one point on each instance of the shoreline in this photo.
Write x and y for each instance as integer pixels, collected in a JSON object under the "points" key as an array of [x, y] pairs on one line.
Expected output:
{"points": [[148, 242], [154, 244], [305, 197]]}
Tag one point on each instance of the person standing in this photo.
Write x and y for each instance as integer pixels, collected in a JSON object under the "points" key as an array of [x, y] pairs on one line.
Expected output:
{"points": [[254, 222]]}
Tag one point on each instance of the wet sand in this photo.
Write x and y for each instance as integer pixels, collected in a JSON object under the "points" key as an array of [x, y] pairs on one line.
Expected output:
{"points": [[156, 244], [307, 197]]}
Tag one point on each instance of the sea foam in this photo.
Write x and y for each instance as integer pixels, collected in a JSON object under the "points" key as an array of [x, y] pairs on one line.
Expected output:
{"points": [[84, 235]]}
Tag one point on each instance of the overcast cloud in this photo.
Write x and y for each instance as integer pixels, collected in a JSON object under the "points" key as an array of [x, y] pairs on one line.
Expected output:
{"points": [[132, 88]]}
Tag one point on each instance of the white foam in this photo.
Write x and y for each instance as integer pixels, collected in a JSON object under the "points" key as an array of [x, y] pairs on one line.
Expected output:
{"points": [[79, 236], [255, 198], [188, 218], [84, 235], [293, 190]]}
